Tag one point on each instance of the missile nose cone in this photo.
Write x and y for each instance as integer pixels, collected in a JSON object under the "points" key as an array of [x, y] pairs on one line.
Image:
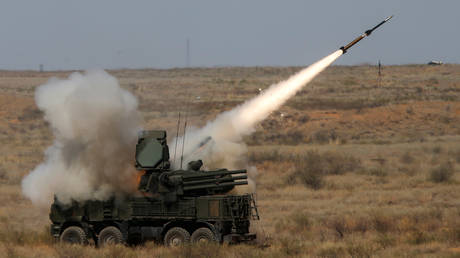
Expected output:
{"points": [[389, 17]]}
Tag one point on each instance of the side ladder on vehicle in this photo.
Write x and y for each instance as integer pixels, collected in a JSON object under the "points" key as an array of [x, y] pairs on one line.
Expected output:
{"points": [[254, 211]]}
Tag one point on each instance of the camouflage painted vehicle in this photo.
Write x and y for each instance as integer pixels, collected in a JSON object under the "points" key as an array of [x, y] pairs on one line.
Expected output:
{"points": [[173, 206]]}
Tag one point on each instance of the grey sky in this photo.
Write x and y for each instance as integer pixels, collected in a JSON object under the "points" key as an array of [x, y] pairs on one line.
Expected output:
{"points": [[135, 34]]}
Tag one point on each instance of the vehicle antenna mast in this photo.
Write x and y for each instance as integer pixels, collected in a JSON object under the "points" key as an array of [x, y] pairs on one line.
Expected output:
{"points": [[187, 111], [183, 141], [177, 137]]}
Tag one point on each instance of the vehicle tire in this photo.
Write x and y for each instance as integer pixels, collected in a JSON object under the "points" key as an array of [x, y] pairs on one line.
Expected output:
{"points": [[110, 236], [203, 235], [176, 236], [73, 235]]}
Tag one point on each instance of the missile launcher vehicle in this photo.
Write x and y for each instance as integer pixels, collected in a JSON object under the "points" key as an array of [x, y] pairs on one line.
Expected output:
{"points": [[172, 206]]}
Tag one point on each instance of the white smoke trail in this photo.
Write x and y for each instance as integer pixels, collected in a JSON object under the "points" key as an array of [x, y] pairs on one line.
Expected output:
{"points": [[226, 148], [95, 124]]}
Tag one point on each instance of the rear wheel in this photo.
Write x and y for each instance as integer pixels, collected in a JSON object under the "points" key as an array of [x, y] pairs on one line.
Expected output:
{"points": [[176, 236], [203, 235], [110, 236], [73, 235]]}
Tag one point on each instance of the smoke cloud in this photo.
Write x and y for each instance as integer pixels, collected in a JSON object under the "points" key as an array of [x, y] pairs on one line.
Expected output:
{"points": [[95, 124], [219, 143]]}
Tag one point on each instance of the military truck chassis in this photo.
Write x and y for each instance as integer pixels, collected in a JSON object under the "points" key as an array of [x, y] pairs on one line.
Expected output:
{"points": [[190, 219]]}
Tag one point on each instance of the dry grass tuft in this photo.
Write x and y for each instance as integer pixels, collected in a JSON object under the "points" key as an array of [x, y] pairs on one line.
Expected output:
{"points": [[443, 173], [13, 234], [407, 158], [312, 166], [291, 247]]}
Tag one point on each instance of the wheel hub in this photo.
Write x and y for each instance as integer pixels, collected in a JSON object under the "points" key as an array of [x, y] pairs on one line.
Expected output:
{"points": [[176, 241]]}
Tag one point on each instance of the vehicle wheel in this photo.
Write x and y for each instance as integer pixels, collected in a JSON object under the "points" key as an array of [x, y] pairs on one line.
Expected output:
{"points": [[74, 235], [176, 236], [203, 235], [110, 236]]}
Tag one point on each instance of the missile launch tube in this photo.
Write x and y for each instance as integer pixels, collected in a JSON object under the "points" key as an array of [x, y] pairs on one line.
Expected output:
{"points": [[222, 172], [218, 180], [208, 186]]}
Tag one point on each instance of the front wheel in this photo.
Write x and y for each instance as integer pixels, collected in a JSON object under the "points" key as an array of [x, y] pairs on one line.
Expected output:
{"points": [[110, 236], [203, 235], [176, 236], [73, 235]]}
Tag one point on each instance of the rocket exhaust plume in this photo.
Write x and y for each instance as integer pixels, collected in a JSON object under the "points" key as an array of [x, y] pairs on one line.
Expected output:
{"points": [[95, 124], [226, 148]]}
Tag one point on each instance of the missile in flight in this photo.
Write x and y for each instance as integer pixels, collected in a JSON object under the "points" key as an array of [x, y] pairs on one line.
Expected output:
{"points": [[365, 34]]}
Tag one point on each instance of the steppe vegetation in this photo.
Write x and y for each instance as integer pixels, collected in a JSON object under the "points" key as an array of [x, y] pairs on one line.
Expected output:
{"points": [[352, 166]]}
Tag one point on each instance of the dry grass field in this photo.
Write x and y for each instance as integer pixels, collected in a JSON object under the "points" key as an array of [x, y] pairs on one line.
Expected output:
{"points": [[349, 167]]}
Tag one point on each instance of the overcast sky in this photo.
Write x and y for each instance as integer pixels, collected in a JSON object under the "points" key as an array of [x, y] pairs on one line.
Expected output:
{"points": [[89, 34]]}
